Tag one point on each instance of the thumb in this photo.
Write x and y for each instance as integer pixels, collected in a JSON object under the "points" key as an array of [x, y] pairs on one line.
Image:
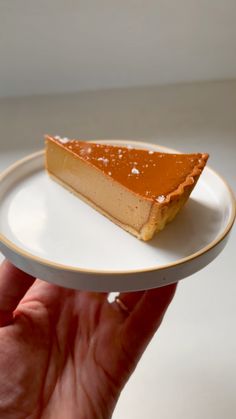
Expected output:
{"points": [[13, 285]]}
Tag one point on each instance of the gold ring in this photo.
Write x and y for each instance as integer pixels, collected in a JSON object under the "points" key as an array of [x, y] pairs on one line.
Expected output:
{"points": [[122, 305]]}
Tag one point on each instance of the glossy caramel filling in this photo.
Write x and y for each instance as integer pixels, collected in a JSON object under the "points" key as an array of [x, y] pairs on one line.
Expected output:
{"points": [[152, 175]]}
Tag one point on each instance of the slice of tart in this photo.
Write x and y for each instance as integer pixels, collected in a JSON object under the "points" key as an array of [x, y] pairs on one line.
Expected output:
{"points": [[140, 190]]}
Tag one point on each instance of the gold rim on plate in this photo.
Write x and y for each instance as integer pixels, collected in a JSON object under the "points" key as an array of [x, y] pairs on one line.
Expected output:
{"points": [[179, 262]]}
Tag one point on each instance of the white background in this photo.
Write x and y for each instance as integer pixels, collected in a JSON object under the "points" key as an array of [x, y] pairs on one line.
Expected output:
{"points": [[59, 46], [189, 369]]}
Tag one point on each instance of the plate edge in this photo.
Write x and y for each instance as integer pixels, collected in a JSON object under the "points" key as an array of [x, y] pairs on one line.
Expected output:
{"points": [[58, 266]]}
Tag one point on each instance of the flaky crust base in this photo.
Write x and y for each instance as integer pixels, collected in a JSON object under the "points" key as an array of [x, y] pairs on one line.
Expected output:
{"points": [[163, 214]]}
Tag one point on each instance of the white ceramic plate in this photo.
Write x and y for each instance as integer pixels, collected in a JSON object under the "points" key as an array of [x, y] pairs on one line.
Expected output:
{"points": [[51, 234]]}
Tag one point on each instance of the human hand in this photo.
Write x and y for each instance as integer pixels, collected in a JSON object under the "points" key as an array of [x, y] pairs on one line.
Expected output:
{"points": [[67, 354]]}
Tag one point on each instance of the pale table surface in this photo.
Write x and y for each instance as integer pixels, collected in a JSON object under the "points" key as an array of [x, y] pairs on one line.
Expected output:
{"points": [[189, 369]]}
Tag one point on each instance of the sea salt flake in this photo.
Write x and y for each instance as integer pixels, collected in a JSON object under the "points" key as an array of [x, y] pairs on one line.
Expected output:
{"points": [[104, 160], [135, 171], [62, 140], [150, 152], [85, 151], [109, 173], [160, 198], [119, 151]]}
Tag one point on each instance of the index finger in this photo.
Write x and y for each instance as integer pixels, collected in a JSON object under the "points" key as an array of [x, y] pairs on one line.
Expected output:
{"points": [[145, 318]]}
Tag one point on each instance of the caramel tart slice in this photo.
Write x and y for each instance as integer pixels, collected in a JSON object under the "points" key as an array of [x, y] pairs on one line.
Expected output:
{"points": [[140, 190]]}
